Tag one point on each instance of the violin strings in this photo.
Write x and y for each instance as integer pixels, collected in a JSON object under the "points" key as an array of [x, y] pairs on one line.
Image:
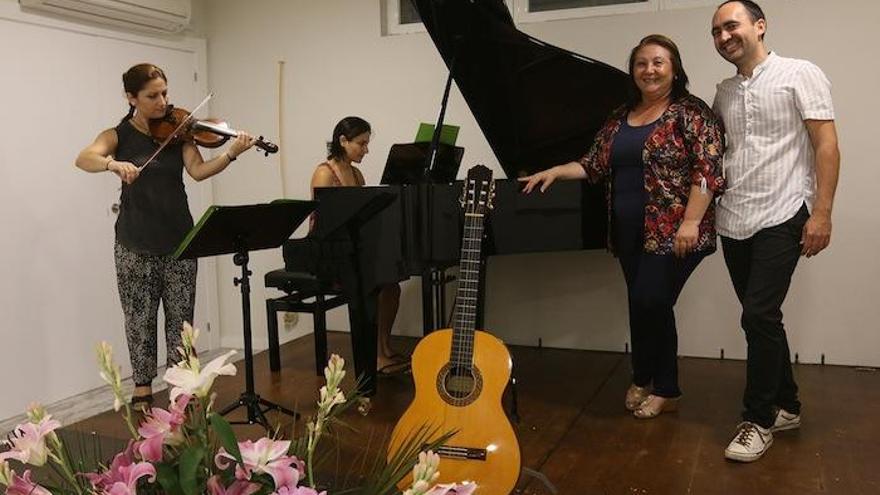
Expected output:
{"points": [[179, 127]]}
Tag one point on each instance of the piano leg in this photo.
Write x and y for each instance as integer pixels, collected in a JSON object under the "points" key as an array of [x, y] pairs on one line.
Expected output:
{"points": [[274, 347], [434, 282], [427, 301]]}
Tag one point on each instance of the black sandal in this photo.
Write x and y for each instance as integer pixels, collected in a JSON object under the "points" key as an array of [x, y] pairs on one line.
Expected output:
{"points": [[394, 369]]}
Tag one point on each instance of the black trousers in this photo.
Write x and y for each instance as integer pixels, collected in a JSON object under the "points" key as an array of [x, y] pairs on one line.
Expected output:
{"points": [[761, 268], [653, 283]]}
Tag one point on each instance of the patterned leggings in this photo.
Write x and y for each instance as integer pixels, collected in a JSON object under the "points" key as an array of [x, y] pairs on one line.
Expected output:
{"points": [[143, 281]]}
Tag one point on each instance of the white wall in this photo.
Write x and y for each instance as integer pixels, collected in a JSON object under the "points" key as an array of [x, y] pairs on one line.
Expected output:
{"points": [[61, 86], [337, 63]]}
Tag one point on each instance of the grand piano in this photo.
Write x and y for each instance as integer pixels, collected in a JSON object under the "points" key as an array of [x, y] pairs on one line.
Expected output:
{"points": [[537, 105]]}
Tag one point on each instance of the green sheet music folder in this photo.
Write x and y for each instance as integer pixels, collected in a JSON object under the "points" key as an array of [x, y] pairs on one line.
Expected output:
{"points": [[448, 133], [232, 229]]}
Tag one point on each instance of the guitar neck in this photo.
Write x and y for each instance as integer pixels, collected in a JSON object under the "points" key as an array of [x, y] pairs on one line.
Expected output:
{"points": [[465, 318]]}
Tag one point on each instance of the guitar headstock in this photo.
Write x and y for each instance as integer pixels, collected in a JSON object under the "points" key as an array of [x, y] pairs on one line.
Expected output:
{"points": [[478, 192]]}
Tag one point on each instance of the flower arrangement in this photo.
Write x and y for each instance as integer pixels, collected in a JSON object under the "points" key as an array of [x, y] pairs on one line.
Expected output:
{"points": [[189, 449]]}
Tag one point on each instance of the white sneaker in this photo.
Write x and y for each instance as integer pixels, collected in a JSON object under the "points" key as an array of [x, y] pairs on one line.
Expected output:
{"points": [[786, 421], [749, 443]]}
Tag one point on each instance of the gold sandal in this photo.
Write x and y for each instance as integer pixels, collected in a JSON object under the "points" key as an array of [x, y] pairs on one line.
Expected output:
{"points": [[655, 405], [635, 395]]}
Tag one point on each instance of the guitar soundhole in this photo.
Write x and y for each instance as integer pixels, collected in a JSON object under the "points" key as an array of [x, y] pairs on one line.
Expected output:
{"points": [[459, 385]]}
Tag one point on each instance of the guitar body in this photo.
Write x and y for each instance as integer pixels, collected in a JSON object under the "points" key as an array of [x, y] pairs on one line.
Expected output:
{"points": [[470, 405]]}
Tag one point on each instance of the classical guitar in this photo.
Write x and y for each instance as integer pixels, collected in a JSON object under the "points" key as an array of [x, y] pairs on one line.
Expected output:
{"points": [[461, 373]]}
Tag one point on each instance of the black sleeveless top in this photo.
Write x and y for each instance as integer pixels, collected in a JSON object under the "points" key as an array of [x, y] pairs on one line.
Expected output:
{"points": [[154, 215]]}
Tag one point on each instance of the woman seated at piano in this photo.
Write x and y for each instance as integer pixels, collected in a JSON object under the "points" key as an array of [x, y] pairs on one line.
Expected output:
{"points": [[348, 145], [659, 156]]}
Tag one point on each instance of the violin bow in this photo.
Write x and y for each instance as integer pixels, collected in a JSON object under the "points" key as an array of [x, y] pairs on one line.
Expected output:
{"points": [[179, 127]]}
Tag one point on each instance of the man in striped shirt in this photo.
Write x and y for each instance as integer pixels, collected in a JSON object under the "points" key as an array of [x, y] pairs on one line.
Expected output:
{"points": [[781, 165]]}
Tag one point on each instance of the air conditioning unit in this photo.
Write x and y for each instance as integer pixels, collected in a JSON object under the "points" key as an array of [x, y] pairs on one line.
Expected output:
{"points": [[162, 16]]}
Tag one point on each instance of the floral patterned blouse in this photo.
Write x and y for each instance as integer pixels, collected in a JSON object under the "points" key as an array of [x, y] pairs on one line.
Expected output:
{"points": [[684, 149]]}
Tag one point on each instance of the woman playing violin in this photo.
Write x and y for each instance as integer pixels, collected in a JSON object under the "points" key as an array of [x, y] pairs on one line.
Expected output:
{"points": [[153, 218]]}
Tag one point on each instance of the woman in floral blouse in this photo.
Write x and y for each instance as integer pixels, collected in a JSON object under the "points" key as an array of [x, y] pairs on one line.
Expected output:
{"points": [[660, 157]]}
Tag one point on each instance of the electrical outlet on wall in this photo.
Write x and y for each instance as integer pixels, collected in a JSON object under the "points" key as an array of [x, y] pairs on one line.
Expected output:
{"points": [[290, 320]]}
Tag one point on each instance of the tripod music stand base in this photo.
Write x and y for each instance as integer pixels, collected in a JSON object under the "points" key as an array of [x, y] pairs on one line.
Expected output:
{"points": [[256, 407]]}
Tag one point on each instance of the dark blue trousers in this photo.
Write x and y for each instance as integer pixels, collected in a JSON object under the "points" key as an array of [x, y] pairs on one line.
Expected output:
{"points": [[653, 284]]}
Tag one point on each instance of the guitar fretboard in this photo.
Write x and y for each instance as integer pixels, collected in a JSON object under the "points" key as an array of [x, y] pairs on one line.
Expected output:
{"points": [[465, 318]]}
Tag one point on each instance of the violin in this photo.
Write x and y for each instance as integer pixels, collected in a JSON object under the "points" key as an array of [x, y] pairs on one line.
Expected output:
{"points": [[209, 133]]}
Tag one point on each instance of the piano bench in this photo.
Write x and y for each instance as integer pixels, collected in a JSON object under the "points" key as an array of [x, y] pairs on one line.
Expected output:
{"points": [[305, 293]]}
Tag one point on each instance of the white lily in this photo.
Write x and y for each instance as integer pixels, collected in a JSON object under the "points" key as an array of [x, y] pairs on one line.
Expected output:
{"points": [[327, 401], [190, 378]]}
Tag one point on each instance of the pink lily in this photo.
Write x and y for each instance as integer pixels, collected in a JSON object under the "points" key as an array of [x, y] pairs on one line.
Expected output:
{"points": [[22, 485], [236, 488], [161, 427], [27, 443], [264, 456], [466, 488], [298, 490], [125, 482], [123, 472]]}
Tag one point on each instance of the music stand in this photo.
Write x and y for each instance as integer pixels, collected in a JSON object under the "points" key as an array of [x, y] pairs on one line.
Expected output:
{"points": [[406, 164], [342, 214], [238, 230]]}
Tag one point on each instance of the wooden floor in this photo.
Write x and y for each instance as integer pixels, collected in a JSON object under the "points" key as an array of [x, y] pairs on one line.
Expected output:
{"points": [[573, 427]]}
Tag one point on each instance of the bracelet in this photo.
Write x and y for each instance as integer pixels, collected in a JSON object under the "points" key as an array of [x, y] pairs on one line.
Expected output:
{"points": [[107, 165], [230, 157]]}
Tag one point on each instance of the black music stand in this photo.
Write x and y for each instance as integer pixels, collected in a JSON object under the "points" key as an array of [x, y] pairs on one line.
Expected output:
{"points": [[342, 215], [239, 230], [406, 164]]}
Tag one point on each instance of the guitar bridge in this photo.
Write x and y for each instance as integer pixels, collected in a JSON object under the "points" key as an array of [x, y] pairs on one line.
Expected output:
{"points": [[462, 453]]}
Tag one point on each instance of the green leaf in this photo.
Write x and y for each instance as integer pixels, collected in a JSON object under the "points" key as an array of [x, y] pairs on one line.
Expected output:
{"points": [[167, 477], [190, 462], [226, 436]]}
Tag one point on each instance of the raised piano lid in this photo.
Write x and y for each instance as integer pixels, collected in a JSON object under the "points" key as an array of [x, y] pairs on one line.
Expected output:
{"points": [[538, 105]]}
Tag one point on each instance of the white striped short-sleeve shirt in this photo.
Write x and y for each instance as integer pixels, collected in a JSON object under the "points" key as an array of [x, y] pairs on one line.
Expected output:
{"points": [[769, 162]]}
